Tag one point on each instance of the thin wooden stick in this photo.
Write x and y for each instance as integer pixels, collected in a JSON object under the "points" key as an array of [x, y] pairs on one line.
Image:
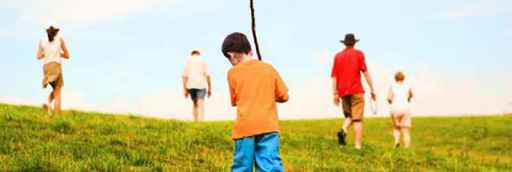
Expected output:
{"points": [[253, 19]]}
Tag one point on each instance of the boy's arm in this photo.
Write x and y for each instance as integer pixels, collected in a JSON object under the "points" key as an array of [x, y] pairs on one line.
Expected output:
{"points": [[281, 91], [232, 92]]}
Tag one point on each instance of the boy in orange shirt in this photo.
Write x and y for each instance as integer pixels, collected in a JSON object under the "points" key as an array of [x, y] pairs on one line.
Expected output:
{"points": [[255, 87]]}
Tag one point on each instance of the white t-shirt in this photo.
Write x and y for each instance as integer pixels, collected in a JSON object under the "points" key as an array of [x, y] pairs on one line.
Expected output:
{"points": [[196, 70], [400, 92], [52, 50]]}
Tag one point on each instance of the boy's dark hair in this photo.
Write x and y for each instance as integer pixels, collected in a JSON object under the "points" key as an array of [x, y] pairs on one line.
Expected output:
{"points": [[236, 42]]}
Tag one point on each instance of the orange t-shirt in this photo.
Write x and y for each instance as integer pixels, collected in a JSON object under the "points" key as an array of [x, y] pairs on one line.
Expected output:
{"points": [[255, 88]]}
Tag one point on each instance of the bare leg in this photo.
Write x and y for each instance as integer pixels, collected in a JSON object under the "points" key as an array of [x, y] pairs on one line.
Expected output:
{"points": [[57, 100], [346, 124], [51, 97], [195, 110], [200, 109], [396, 130], [396, 135], [358, 128], [406, 136], [48, 105]]}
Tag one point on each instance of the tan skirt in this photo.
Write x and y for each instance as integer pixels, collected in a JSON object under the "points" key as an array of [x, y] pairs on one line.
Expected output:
{"points": [[53, 75]]}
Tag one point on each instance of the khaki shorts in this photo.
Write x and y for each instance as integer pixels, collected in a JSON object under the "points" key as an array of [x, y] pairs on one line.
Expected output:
{"points": [[353, 106], [53, 75]]}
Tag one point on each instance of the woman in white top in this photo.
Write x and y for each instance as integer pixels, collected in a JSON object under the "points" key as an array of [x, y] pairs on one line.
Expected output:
{"points": [[51, 50], [399, 97]]}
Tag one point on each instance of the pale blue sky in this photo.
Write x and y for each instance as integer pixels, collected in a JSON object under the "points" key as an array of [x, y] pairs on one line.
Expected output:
{"points": [[132, 53]]}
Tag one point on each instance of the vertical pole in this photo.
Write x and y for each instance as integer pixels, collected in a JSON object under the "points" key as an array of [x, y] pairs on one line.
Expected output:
{"points": [[253, 20]]}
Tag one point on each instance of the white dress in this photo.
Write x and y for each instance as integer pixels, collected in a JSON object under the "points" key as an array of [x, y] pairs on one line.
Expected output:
{"points": [[400, 102]]}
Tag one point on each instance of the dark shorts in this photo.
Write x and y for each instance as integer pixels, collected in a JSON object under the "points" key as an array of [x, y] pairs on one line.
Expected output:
{"points": [[196, 94], [353, 106]]}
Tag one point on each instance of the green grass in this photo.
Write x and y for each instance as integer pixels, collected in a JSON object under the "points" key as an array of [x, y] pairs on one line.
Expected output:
{"points": [[31, 140]]}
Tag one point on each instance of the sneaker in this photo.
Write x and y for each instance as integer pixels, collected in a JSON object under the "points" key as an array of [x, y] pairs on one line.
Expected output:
{"points": [[341, 138], [396, 146]]}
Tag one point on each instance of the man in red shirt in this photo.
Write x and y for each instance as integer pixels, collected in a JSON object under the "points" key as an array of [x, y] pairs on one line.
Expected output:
{"points": [[347, 88]]}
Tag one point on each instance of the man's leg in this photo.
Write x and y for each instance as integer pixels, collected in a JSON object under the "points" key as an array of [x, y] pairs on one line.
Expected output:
{"points": [[347, 112], [357, 105], [48, 106], [243, 158], [346, 124], [342, 134], [267, 153], [358, 130]]}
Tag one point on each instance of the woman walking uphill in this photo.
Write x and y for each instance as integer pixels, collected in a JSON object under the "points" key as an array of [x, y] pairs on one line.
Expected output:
{"points": [[51, 51]]}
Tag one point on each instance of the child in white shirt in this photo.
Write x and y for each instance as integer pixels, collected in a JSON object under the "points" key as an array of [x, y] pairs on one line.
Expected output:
{"points": [[399, 97]]}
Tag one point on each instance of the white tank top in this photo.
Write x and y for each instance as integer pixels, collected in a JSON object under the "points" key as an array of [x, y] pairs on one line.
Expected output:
{"points": [[52, 50], [400, 94]]}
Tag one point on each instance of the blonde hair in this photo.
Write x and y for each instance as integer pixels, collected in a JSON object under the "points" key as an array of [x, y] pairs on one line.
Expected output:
{"points": [[399, 76]]}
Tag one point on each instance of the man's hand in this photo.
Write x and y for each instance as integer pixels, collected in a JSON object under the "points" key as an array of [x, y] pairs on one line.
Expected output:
{"points": [[209, 93], [336, 99], [186, 94]]}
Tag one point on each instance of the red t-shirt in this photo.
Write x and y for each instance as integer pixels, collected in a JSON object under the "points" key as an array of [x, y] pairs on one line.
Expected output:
{"points": [[347, 68]]}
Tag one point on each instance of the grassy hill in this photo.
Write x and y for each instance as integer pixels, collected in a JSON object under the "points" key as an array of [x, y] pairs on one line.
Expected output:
{"points": [[30, 140]]}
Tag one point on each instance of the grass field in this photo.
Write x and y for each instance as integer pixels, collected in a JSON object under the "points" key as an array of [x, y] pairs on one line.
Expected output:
{"points": [[30, 140]]}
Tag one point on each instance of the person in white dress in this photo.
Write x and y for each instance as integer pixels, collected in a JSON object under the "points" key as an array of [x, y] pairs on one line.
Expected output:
{"points": [[196, 83], [51, 51], [399, 98]]}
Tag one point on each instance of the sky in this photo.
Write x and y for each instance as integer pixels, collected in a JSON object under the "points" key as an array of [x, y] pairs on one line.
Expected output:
{"points": [[127, 55]]}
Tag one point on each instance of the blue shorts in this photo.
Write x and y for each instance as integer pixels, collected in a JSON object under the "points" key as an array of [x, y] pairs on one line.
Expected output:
{"points": [[196, 94], [261, 151]]}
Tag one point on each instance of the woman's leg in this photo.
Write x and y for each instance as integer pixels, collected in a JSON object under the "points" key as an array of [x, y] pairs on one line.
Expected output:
{"points": [[57, 100], [51, 97]]}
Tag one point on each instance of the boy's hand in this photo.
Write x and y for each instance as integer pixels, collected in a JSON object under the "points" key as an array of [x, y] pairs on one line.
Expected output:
{"points": [[336, 99], [209, 93]]}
